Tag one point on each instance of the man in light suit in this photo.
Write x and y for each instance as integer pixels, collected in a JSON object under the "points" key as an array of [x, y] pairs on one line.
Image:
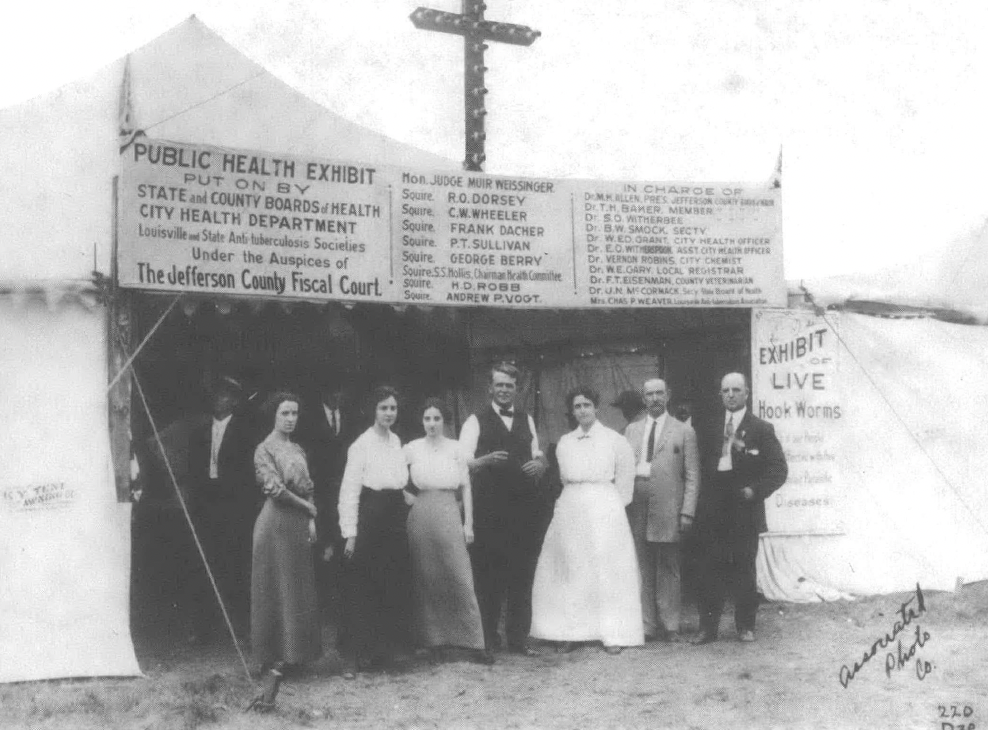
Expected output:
{"points": [[743, 463], [667, 483]]}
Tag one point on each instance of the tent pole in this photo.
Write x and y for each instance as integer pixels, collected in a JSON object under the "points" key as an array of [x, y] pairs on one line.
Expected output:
{"points": [[119, 309]]}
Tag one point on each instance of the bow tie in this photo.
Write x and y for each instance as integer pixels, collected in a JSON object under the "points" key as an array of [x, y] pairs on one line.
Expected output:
{"points": [[507, 412]]}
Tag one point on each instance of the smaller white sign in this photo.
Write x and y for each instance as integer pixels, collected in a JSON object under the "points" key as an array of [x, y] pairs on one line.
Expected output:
{"points": [[796, 386]]}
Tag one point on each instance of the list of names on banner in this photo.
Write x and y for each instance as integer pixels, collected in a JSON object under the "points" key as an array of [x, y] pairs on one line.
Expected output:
{"points": [[671, 245], [474, 239], [202, 219]]}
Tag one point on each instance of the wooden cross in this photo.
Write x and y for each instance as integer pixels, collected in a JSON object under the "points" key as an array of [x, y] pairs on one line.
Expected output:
{"points": [[475, 30]]}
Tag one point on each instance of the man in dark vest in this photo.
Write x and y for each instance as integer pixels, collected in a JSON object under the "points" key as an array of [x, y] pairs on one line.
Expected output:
{"points": [[506, 464]]}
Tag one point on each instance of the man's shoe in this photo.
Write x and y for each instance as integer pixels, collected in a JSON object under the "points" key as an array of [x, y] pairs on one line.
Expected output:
{"points": [[565, 647], [675, 637], [747, 636], [704, 637], [522, 649], [661, 635]]}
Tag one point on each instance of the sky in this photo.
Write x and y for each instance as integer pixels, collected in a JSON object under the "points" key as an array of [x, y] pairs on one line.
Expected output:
{"points": [[875, 104]]}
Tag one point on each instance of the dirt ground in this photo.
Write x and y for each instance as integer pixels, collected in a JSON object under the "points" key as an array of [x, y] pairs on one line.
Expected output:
{"points": [[789, 678]]}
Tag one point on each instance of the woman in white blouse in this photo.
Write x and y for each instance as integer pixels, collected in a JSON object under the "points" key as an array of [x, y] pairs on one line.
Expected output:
{"points": [[376, 587], [586, 583], [446, 610]]}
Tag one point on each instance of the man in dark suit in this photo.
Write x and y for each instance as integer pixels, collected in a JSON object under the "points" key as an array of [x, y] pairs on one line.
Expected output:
{"points": [[502, 451], [743, 463], [224, 501], [328, 430]]}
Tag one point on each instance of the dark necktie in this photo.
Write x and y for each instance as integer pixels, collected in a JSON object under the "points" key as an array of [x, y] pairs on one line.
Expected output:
{"points": [[506, 412], [650, 452], [728, 436]]}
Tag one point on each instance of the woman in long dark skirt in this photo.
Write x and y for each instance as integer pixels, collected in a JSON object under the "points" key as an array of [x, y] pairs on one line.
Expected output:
{"points": [[376, 587]]}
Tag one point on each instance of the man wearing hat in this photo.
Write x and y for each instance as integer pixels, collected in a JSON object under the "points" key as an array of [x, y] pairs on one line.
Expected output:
{"points": [[667, 482], [223, 503]]}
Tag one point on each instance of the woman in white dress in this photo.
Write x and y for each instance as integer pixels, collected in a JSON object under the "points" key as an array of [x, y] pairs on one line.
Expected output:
{"points": [[586, 583], [446, 610]]}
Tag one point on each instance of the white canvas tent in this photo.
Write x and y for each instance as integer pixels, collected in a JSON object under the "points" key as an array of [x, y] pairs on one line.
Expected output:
{"points": [[911, 492], [956, 281], [903, 521], [60, 151], [64, 539]]}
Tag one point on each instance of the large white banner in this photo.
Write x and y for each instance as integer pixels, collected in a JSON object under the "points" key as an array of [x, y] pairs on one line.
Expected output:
{"points": [[205, 219], [64, 539], [796, 385]]}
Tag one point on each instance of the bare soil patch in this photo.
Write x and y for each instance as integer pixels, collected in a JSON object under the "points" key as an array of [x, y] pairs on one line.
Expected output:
{"points": [[788, 678]]}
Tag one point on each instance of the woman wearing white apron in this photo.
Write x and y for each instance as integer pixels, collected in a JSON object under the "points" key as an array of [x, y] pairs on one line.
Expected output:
{"points": [[586, 582]]}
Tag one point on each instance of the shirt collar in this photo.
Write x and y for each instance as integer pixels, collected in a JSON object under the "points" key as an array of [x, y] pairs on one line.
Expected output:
{"points": [[497, 408], [594, 429], [738, 415], [660, 419]]}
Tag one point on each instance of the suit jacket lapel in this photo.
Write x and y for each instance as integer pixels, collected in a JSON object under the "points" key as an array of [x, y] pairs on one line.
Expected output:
{"points": [[664, 435], [745, 426]]}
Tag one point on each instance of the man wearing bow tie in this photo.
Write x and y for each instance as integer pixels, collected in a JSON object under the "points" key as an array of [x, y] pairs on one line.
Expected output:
{"points": [[502, 450], [743, 463], [667, 482]]}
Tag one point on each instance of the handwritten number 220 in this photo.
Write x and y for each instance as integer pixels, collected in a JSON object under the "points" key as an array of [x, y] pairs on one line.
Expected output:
{"points": [[966, 711]]}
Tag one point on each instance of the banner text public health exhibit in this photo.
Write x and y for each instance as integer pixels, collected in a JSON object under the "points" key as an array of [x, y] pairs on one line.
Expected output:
{"points": [[204, 219]]}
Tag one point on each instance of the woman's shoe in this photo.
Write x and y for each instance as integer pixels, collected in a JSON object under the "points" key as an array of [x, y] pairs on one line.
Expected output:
{"points": [[259, 705], [565, 647], [350, 669], [612, 650], [482, 656], [264, 702]]}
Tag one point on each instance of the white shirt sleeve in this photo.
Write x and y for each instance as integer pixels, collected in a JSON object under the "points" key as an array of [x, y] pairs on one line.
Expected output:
{"points": [[469, 436], [624, 469], [536, 451], [349, 502]]}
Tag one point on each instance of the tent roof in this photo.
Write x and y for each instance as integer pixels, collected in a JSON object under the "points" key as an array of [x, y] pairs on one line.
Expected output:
{"points": [[60, 150], [955, 281]]}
